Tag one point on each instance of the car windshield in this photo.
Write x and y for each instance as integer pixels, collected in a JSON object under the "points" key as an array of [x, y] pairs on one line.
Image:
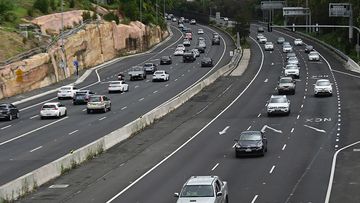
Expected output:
{"points": [[293, 59], [197, 191], [285, 80], [291, 67], [323, 83], [3, 106], [313, 53], [287, 46], [115, 83], [250, 136], [278, 100], [291, 54], [95, 99], [281, 39]]}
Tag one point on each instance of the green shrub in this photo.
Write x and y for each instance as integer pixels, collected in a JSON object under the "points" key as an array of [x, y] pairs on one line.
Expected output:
{"points": [[72, 4], [53, 5], [111, 17], [42, 5]]}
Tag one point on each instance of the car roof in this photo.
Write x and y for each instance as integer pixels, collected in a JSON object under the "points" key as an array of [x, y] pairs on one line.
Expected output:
{"points": [[201, 180], [52, 103], [286, 78], [278, 96], [322, 80]]}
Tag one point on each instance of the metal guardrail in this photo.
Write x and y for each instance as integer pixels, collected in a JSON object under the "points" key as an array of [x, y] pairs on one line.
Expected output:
{"points": [[44, 49]]}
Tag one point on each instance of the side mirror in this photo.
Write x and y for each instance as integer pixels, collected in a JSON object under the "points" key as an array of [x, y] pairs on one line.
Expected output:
{"points": [[236, 140], [176, 194], [219, 194]]}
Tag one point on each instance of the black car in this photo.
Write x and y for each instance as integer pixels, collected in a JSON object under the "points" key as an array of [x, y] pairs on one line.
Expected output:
{"points": [[215, 41], [206, 62], [186, 20], [82, 97], [150, 68], [201, 49], [309, 48], [251, 143], [165, 60], [189, 57], [8, 112]]}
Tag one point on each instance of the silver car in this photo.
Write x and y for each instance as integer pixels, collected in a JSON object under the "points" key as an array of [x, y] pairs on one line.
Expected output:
{"points": [[209, 189]]}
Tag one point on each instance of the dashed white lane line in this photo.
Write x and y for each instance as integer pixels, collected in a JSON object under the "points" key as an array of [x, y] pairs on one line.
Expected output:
{"points": [[176, 79], [304, 97], [356, 150], [233, 146], [37, 148], [249, 128], [283, 148], [37, 129], [183, 75], [32, 117], [272, 169], [166, 85], [266, 80], [213, 168], [123, 108], [254, 199], [292, 130], [298, 117], [147, 81], [136, 86], [259, 115], [155, 91], [100, 119], [8, 126], [84, 110], [141, 99], [302, 106], [73, 132]]}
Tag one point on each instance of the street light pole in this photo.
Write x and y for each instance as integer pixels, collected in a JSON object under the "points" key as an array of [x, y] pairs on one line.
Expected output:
{"points": [[140, 9]]}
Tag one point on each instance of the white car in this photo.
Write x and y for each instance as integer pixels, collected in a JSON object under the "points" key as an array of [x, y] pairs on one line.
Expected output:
{"points": [[66, 92], [323, 87], [269, 46], [174, 19], [262, 40], [186, 42], [196, 52], [200, 31], [278, 104], [180, 25], [201, 39], [293, 60], [160, 75], [118, 86], [53, 109], [314, 56], [180, 46], [258, 36], [192, 22], [179, 52], [292, 70], [298, 42], [287, 48]]}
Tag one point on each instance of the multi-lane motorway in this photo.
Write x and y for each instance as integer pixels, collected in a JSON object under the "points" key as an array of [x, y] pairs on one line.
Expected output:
{"points": [[154, 164], [29, 142]]}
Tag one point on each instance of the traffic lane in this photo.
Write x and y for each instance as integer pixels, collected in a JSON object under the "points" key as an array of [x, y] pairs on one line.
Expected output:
{"points": [[345, 187], [28, 128]]}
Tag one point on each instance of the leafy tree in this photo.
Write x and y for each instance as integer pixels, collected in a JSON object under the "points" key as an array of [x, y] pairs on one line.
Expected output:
{"points": [[53, 5], [111, 17], [72, 4], [6, 6], [42, 5]]}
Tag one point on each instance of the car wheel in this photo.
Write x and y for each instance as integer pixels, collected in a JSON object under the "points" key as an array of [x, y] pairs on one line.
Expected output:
{"points": [[110, 107], [17, 115], [65, 114], [105, 109], [227, 199], [42, 117], [293, 92], [266, 149], [59, 115], [88, 111], [10, 117], [269, 114]]}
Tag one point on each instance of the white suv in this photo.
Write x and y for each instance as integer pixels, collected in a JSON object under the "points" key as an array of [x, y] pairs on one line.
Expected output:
{"points": [[66, 92], [160, 75], [323, 87], [298, 42], [209, 189], [292, 70], [53, 109], [269, 46], [314, 56], [278, 104]]}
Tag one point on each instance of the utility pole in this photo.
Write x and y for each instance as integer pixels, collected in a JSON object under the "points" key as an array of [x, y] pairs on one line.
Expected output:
{"points": [[140, 9], [157, 12], [164, 7]]}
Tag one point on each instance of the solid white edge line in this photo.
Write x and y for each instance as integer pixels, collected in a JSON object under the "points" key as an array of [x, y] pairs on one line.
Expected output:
{"points": [[332, 173], [283, 148], [272, 169], [8, 126], [37, 148], [37, 129], [194, 136], [254, 199], [344, 73]]}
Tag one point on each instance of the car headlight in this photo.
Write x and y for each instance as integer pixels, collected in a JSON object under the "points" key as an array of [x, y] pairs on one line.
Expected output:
{"points": [[259, 144], [237, 145]]}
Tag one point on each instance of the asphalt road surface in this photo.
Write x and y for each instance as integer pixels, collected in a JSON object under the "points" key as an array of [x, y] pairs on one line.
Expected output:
{"points": [[29, 142], [154, 164]]}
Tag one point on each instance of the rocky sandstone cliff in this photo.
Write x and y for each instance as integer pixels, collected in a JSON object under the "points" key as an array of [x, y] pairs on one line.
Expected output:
{"points": [[93, 45]]}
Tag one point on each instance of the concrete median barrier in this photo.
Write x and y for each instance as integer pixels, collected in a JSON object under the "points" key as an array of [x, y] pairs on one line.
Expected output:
{"points": [[27, 183]]}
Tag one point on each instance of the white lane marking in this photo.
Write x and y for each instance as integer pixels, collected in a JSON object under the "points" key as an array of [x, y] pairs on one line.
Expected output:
{"points": [[283, 148], [259, 115], [59, 186], [102, 118], [266, 80], [298, 117], [233, 146], [254, 199], [141, 99], [8, 126], [216, 165], [33, 150], [176, 79], [37, 129], [344, 73], [302, 106], [198, 133], [332, 173], [73, 132], [316, 129], [304, 97], [356, 150], [32, 117], [222, 93], [155, 91], [147, 81], [203, 109], [183, 75], [292, 130], [84, 110], [166, 85], [136, 86], [273, 129], [248, 128], [123, 108], [272, 169], [224, 130]]}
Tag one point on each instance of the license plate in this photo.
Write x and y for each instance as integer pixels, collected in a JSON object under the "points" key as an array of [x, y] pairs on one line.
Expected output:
{"points": [[248, 150]]}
